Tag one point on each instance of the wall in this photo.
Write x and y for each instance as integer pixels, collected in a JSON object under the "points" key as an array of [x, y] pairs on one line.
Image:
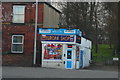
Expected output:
{"points": [[7, 11], [27, 29], [28, 32], [86, 46], [51, 17]]}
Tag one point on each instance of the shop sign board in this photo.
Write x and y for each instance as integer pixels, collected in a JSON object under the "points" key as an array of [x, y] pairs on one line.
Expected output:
{"points": [[58, 38], [60, 31], [78, 39]]}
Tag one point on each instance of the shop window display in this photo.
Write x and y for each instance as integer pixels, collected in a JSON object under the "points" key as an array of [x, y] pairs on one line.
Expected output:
{"points": [[77, 53], [52, 51]]}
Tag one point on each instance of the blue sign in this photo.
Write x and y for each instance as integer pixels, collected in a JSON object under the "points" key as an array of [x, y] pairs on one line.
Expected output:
{"points": [[81, 58], [58, 38], [60, 31]]}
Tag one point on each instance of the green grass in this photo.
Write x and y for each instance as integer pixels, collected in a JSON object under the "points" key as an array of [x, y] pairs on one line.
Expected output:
{"points": [[104, 52]]}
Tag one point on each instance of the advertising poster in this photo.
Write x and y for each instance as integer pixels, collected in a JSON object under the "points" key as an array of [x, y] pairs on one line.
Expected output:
{"points": [[53, 51], [77, 53]]}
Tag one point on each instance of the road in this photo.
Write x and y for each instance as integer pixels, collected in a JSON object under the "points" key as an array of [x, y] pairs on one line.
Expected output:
{"points": [[36, 72]]}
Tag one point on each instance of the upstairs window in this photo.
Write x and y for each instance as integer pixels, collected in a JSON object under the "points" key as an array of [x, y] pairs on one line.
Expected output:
{"points": [[17, 43], [18, 13]]}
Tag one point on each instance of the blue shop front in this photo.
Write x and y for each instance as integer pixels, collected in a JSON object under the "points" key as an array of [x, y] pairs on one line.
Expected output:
{"points": [[61, 48]]}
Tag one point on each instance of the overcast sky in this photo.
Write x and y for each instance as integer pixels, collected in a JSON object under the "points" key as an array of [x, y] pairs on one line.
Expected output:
{"points": [[60, 0]]}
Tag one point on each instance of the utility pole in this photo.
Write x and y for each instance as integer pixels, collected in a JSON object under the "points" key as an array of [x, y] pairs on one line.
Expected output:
{"points": [[35, 36]]}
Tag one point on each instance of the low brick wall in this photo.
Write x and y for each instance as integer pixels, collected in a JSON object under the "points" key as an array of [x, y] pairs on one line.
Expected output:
{"points": [[17, 60]]}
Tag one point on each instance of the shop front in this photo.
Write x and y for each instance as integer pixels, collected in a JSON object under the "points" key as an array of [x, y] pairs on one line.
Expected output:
{"points": [[60, 48]]}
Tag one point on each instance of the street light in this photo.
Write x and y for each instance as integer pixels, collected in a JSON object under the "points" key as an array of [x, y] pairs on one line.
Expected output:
{"points": [[35, 36]]}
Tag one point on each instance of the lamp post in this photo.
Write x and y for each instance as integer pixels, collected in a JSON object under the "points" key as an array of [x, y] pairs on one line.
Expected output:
{"points": [[35, 36]]}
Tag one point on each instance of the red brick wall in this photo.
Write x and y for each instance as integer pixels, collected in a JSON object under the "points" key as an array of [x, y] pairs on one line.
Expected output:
{"points": [[17, 60], [28, 32], [7, 11], [27, 29]]}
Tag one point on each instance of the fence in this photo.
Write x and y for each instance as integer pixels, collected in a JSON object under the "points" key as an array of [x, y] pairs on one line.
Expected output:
{"points": [[104, 60]]}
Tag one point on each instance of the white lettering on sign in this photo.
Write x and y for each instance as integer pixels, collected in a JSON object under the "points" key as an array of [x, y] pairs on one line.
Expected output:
{"points": [[69, 31], [56, 31], [44, 31]]}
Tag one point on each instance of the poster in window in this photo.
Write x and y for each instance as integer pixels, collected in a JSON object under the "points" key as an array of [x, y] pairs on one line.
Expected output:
{"points": [[53, 51], [77, 53]]}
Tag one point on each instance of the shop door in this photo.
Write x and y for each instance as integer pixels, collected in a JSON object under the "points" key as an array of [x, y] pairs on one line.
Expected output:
{"points": [[69, 59]]}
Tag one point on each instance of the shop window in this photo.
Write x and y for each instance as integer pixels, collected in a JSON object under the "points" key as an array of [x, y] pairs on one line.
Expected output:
{"points": [[18, 13], [52, 51], [17, 43], [69, 54]]}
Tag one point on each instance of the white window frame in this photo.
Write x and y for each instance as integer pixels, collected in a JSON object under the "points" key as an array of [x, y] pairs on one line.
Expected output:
{"points": [[17, 43], [23, 21]]}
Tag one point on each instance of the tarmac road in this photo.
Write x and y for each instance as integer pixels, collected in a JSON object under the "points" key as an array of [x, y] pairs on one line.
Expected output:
{"points": [[37, 72]]}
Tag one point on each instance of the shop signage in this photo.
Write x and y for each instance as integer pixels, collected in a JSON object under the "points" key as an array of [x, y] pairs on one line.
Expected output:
{"points": [[44, 31], [78, 39], [58, 38], [69, 31], [60, 31]]}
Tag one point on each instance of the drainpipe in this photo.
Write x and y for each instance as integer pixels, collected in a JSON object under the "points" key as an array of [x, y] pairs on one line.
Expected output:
{"points": [[35, 36]]}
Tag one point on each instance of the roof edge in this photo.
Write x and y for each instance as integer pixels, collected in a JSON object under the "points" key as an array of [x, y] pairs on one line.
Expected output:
{"points": [[41, 1]]}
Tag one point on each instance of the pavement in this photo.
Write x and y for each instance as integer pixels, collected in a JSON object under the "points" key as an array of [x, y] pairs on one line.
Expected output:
{"points": [[38, 72], [104, 67]]}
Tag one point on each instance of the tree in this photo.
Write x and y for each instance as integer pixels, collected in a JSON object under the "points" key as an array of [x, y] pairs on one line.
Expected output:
{"points": [[112, 24], [119, 29], [84, 16], [96, 20], [75, 16]]}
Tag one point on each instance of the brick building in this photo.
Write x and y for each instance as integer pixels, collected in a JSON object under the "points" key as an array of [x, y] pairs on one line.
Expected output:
{"points": [[18, 23]]}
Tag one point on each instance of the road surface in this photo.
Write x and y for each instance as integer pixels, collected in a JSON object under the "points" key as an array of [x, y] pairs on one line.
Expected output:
{"points": [[37, 72]]}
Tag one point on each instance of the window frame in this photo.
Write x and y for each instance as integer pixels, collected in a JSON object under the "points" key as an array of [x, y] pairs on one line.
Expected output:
{"points": [[22, 43], [18, 14]]}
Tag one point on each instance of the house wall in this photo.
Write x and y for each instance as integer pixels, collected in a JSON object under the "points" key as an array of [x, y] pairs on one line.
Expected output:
{"points": [[7, 11], [27, 29], [51, 17]]}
